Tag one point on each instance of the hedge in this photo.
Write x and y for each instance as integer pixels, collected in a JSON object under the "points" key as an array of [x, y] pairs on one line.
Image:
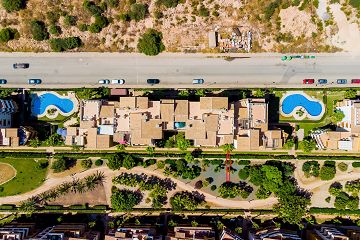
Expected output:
{"points": [[78, 206], [7, 207], [327, 157], [24, 154], [53, 207], [334, 211], [356, 164], [244, 162]]}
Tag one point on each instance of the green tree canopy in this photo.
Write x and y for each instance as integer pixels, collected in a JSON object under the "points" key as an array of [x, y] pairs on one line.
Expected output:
{"points": [[307, 145], [181, 142], [124, 200], [138, 11], [128, 162], [350, 93], [337, 116], [38, 30], [185, 201], [115, 162], [292, 208], [13, 5], [328, 171], [151, 43], [168, 3], [86, 163], [59, 165]]}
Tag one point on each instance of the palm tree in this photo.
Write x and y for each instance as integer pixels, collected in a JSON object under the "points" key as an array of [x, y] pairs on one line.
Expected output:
{"points": [[80, 187], [99, 177], [74, 184], [28, 205], [64, 188], [90, 182]]}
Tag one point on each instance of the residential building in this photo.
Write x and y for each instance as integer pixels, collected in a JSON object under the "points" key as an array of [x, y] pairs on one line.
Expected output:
{"points": [[140, 122], [17, 231], [226, 234], [325, 233], [252, 128], [347, 134], [268, 234], [75, 231], [194, 233], [128, 233], [7, 110], [9, 137]]}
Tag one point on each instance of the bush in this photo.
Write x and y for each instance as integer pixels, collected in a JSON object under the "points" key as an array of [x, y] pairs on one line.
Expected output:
{"points": [[59, 165], [63, 44], [138, 11], [244, 173], [54, 30], [343, 166], [356, 164], [311, 168], [203, 11], [112, 3], [38, 30], [5, 35], [270, 9], [69, 20], [244, 162], [327, 171], [151, 43], [83, 27], [87, 163], [42, 164], [168, 3], [92, 8], [213, 187], [13, 5], [99, 24], [98, 162]]}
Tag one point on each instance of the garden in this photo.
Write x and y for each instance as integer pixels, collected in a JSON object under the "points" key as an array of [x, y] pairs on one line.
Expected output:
{"points": [[30, 174]]}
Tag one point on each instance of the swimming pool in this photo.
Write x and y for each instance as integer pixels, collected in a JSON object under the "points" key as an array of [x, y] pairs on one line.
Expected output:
{"points": [[41, 102], [294, 102]]}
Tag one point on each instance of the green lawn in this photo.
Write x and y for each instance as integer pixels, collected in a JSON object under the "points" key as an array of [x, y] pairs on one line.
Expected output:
{"points": [[28, 176]]}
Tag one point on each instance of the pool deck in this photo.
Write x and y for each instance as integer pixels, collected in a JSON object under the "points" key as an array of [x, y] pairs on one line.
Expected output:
{"points": [[306, 114], [70, 95]]}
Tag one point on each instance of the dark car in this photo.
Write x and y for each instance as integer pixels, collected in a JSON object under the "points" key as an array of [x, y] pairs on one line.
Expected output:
{"points": [[153, 81], [322, 81], [355, 81], [34, 81], [308, 81], [21, 65], [3, 81], [341, 81]]}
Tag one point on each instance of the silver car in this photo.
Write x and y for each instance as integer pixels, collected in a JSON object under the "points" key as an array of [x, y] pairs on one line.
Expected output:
{"points": [[198, 81], [118, 81]]}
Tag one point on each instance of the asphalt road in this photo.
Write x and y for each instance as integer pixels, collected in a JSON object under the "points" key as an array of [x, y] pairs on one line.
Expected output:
{"points": [[65, 70]]}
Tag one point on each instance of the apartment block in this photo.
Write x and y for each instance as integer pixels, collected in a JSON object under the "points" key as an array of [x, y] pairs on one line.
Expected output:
{"points": [[275, 234], [347, 134], [194, 233], [129, 233], [226, 234], [17, 231], [325, 233], [7, 110], [210, 122], [252, 126]]}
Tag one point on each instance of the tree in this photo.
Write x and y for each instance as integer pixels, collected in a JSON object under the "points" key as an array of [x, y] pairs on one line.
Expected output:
{"points": [[168, 3], [124, 200], [5, 35], [185, 201], [227, 147], [327, 171], [181, 142], [335, 188], [59, 165], [98, 162], [256, 175], [13, 5], [151, 43], [307, 145], [160, 164], [341, 201], [87, 163], [93, 93], [128, 162], [244, 173], [54, 30], [69, 20], [337, 116], [189, 158], [292, 208], [289, 144], [63, 44], [262, 193], [138, 11], [38, 30], [150, 150], [273, 178], [6, 92], [311, 168], [115, 162], [350, 93], [343, 166]]}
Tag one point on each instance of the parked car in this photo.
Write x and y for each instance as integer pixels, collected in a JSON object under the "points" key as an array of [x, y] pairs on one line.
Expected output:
{"points": [[104, 81], [198, 81], [153, 81], [34, 81], [21, 65], [117, 81], [341, 81], [355, 81], [3, 81], [322, 81], [308, 81]]}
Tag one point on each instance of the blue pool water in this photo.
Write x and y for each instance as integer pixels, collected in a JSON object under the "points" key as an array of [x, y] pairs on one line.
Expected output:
{"points": [[40, 103], [292, 101]]}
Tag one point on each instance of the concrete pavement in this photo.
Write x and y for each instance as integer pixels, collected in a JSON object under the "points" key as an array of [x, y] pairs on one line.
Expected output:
{"points": [[67, 70]]}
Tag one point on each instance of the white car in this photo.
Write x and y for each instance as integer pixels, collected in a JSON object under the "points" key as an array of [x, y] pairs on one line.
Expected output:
{"points": [[117, 81], [104, 81]]}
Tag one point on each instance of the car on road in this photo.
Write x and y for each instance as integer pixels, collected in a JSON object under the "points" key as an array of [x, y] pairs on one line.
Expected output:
{"points": [[341, 81], [355, 81], [198, 81], [104, 81], [34, 81], [3, 81], [21, 65], [308, 81], [322, 81], [153, 81], [117, 81]]}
